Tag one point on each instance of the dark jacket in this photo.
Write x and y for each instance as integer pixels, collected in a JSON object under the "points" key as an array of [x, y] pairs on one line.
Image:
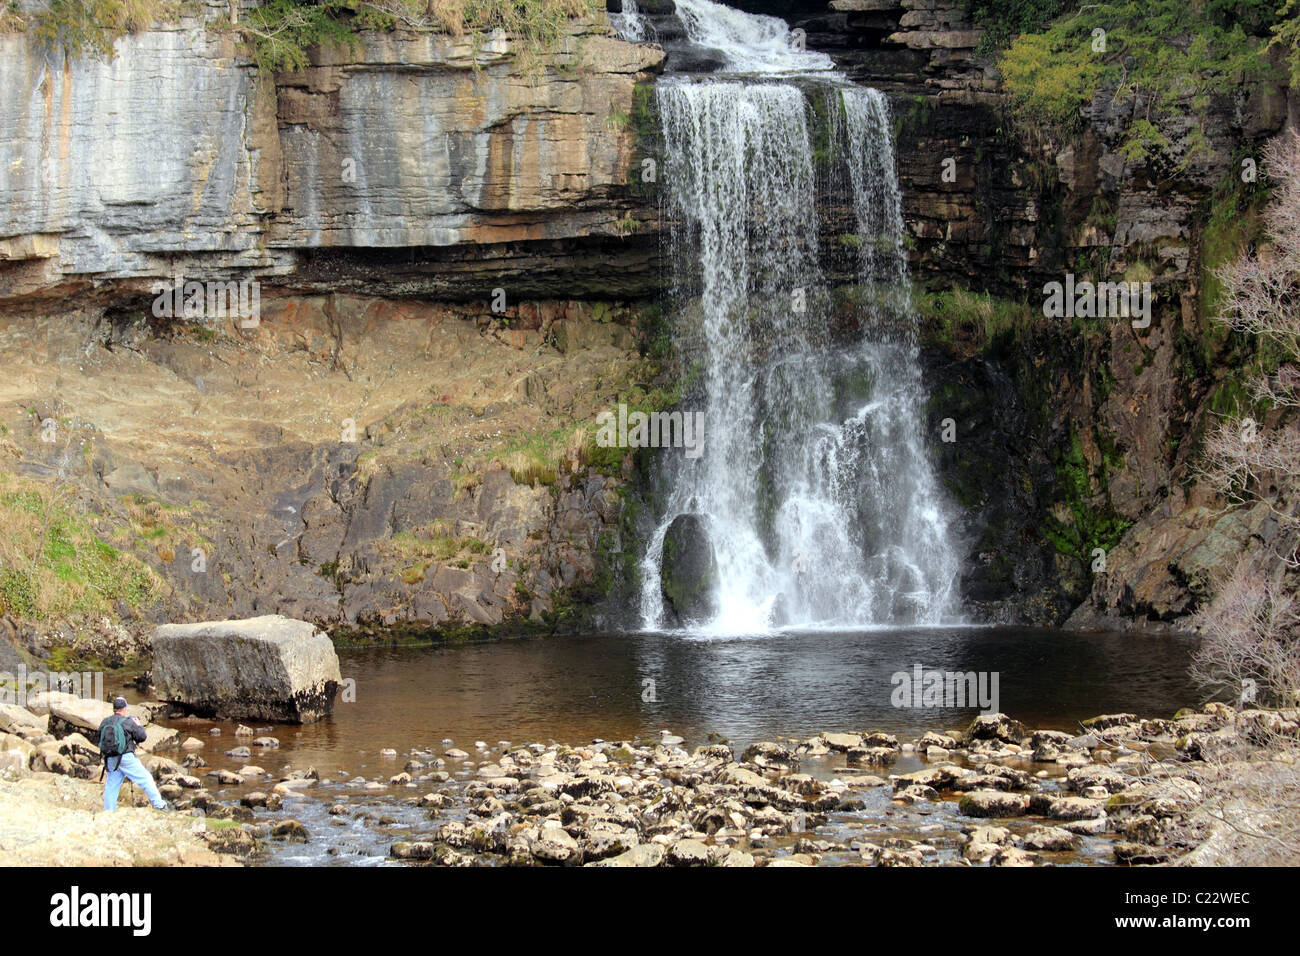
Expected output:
{"points": [[135, 734]]}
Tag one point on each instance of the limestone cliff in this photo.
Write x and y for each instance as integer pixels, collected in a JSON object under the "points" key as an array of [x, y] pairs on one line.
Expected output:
{"points": [[416, 163]]}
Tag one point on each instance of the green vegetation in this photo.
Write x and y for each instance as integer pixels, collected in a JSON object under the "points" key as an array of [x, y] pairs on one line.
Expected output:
{"points": [[1172, 54], [536, 459], [53, 564], [285, 30], [435, 544], [1003, 20], [976, 319], [1286, 36], [1091, 523], [281, 33], [92, 27], [1231, 223]]}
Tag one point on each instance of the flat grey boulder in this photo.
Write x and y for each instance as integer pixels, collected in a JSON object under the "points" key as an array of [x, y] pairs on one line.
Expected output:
{"points": [[263, 668]]}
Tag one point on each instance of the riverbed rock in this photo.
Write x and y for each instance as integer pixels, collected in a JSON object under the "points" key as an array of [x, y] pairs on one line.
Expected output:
{"points": [[290, 830], [1082, 779], [942, 777], [993, 803], [688, 571], [1137, 854], [554, 845], [419, 850], [1052, 839], [842, 742], [1012, 856], [688, 853], [641, 855], [871, 756], [269, 668], [996, 727], [1067, 808]]}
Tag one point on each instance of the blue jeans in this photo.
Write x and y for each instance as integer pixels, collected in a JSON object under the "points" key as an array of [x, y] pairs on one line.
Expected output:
{"points": [[132, 769]]}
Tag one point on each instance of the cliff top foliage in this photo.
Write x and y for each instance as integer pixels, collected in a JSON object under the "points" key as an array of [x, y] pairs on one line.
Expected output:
{"points": [[280, 33], [1164, 55]]}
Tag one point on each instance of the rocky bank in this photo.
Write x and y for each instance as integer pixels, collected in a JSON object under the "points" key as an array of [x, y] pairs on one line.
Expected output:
{"points": [[1122, 789]]}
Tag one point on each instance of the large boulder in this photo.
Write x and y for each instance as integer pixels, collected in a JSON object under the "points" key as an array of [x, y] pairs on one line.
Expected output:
{"points": [[688, 571], [263, 668]]}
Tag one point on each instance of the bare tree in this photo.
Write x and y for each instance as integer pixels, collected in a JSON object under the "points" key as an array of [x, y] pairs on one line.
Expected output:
{"points": [[1248, 643], [1261, 297], [1245, 783], [1250, 628]]}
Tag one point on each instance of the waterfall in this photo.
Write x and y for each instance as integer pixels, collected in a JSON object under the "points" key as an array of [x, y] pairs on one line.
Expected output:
{"points": [[629, 24], [815, 485], [752, 43]]}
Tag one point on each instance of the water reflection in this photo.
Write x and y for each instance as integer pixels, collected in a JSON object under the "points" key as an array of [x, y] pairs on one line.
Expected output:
{"points": [[578, 688]]}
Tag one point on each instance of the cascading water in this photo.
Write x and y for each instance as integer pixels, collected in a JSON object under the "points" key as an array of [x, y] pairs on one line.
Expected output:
{"points": [[815, 486], [629, 24]]}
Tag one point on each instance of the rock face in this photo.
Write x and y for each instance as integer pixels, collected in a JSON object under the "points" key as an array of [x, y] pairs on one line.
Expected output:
{"points": [[373, 486], [267, 668], [689, 570], [180, 157]]}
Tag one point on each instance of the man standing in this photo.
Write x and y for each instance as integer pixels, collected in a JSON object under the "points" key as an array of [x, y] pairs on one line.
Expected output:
{"points": [[118, 735]]}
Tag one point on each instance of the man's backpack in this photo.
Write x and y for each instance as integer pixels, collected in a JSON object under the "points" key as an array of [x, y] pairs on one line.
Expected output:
{"points": [[112, 741]]}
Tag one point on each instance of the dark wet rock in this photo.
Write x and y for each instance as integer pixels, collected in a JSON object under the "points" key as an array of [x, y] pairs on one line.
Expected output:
{"points": [[1109, 722], [688, 573], [916, 793], [683, 58], [412, 851], [871, 756]]}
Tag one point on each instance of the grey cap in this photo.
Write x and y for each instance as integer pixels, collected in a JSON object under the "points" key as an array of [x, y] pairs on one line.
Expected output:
{"points": [[119, 703]]}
